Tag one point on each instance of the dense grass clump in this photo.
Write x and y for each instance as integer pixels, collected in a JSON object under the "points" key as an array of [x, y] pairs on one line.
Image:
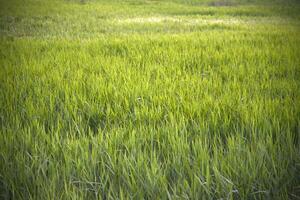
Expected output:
{"points": [[149, 99]]}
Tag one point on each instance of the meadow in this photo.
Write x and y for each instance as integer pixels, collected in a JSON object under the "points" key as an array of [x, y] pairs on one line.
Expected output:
{"points": [[149, 99]]}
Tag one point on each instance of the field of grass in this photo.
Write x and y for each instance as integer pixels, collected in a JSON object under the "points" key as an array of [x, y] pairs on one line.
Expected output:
{"points": [[145, 99]]}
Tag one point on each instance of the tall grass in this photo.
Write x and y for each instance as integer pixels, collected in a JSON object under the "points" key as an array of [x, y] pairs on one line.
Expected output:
{"points": [[95, 104]]}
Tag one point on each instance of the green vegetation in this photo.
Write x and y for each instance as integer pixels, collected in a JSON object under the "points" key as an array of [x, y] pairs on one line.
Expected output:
{"points": [[149, 99]]}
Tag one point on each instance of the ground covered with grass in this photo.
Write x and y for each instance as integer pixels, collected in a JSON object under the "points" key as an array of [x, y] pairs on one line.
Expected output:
{"points": [[144, 99]]}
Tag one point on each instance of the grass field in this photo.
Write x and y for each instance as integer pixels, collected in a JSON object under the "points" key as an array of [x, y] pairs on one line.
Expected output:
{"points": [[145, 99]]}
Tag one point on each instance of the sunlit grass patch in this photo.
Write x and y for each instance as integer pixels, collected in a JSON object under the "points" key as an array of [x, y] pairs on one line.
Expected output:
{"points": [[171, 19]]}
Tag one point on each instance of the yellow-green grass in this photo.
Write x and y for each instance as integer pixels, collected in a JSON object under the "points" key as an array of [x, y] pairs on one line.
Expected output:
{"points": [[149, 99]]}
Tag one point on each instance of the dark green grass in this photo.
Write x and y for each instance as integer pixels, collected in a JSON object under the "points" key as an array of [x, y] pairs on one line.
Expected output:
{"points": [[149, 100]]}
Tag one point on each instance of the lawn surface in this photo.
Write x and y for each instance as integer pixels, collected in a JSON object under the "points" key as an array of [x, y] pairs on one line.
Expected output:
{"points": [[144, 99]]}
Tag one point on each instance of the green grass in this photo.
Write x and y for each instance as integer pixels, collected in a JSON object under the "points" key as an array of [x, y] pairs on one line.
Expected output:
{"points": [[149, 99]]}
